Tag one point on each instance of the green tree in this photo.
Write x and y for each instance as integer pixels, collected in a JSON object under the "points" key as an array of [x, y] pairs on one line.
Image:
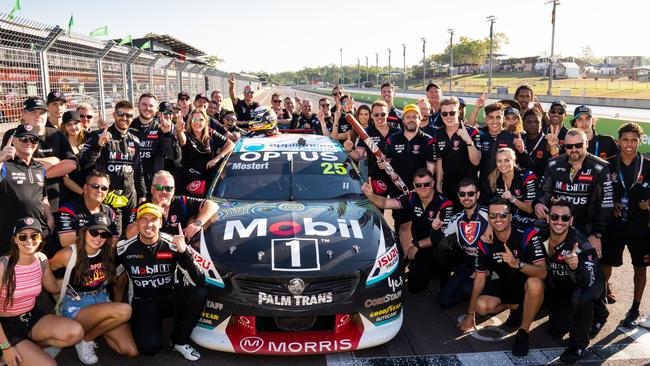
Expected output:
{"points": [[212, 60], [470, 51]]}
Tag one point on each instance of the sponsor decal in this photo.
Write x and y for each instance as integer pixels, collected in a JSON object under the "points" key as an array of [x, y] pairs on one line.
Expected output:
{"points": [[164, 255], [288, 155], [205, 264], [295, 254], [585, 178], [540, 154], [389, 310], [294, 300], [309, 227], [254, 344], [382, 300], [395, 284], [469, 230], [247, 323], [213, 305], [251, 344], [211, 316], [384, 266], [249, 166], [342, 320], [254, 147]]}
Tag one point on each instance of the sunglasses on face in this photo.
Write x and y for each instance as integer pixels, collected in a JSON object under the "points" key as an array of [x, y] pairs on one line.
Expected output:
{"points": [[579, 145], [336, 93], [24, 237], [379, 115], [556, 217], [124, 114], [276, 101], [556, 111], [86, 116], [183, 99], [160, 188], [450, 113], [103, 234], [423, 184], [168, 113], [249, 92], [99, 186], [501, 215], [468, 194], [31, 139]]}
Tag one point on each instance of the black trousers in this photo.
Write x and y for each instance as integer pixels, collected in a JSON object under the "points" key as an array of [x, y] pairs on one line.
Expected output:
{"points": [[573, 314], [184, 304]]}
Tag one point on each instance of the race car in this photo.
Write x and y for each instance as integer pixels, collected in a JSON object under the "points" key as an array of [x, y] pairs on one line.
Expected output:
{"points": [[298, 261]]}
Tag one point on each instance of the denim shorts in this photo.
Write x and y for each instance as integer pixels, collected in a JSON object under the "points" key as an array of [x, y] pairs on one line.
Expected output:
{"points": [[71, 306]]}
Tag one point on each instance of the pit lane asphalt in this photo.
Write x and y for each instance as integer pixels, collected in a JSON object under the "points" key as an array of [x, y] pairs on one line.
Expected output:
{"points": [[429, 335]]}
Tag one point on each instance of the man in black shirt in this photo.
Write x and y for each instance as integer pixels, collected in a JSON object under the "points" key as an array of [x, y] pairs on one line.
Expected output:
{"points": [[184, 104], [56, 102], [307, 119], [537, 145], [394, 114], [603, 146], [434, 95], [556, 131], [216, 97], [244, 108]]}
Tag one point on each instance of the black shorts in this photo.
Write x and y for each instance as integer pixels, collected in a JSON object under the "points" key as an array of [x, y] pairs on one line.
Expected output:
{"points": [[18, 328], [508, 291], [637, 242]]}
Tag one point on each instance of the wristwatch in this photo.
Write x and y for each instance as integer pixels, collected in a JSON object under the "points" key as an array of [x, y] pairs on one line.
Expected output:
{"points": [[198, 222], [520, 264], [415, 243]]}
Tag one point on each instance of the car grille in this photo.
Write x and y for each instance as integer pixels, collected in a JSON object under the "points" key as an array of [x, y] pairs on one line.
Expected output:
{"points": [[341, 286]]}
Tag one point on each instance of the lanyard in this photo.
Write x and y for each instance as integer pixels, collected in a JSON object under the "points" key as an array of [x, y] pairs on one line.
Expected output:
{"points": [[638, 175], [597, 144], [539, 140]]}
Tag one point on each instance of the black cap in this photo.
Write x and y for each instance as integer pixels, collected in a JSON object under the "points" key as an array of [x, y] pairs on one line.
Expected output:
{"points": [[165, 106], [71, 116], [55, 96], [25, 130], [511, 103], [580, 110], [511, 110], [201, 96], [560, 103], [431, 85], [27, 223], [31, 104], [183, 95], [98, 221]]}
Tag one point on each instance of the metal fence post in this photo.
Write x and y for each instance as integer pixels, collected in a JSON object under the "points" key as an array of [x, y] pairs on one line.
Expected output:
{"points": [[180, 75], [151, 65], [100, 78], [129, 73], [42, 55]]}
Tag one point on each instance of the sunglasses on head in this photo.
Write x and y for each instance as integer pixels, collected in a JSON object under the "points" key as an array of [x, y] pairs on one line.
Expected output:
{"points": [[379, 115], [99, 186], [450, 113], [501, 215], [579, 145], [468, 194], [556, 217], [124, 114], [102, 233], [556, 111], [86, 116], [33, 236], [423, 184], [30, 139], [160, 187]]}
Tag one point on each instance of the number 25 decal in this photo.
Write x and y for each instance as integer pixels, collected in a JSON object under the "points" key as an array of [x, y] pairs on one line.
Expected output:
{"points": [[334, 168]]}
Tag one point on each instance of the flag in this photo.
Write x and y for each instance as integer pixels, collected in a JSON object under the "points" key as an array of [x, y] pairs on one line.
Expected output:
{"points": [[147, 44], [126, 40], [99, 32], [14, 10], [70, 23]]}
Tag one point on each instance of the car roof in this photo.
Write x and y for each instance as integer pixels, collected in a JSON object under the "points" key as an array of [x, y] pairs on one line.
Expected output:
{"points": [[288, 142]]}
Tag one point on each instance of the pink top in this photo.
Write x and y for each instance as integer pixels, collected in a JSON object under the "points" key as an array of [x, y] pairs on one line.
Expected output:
{"points": [[28, 287]]}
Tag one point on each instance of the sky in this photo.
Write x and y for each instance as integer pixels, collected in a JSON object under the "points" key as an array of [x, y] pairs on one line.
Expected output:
{"points": [[287, 35]]}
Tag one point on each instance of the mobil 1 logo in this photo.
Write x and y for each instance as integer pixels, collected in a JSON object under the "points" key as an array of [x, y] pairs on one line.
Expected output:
{"points": [[294, 254]]}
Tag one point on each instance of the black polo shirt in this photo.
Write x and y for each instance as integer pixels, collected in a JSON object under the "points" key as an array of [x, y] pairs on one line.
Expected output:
{"points": [[406, 156], [489, 145], [422, 217], [537, 150], [453, 152], [244, 110], [603, 146], [523, 187], [74, 215], [395, 117], [379, 177]]}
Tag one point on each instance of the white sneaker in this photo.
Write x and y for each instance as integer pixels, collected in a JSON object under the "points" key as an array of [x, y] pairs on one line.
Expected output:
{"points": [[645, 322], [190, 353], [86, 352]]}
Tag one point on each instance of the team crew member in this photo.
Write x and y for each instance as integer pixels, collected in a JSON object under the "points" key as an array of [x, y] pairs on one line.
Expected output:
{"points": [[154, 134], [307, 119], [184, 104], [76, 214], [116, 152], [229, 119], [244, 108], [538, 146], [341, 129], [24, 329], [574, 281], [177, 210], [465, 228], [290, 110], [324, 123], [216, 98], [512, 120], [284, 118], [91, 263], [603, 146], [395, 116], [509, 181], [22, 184], [86, 114], [457, 154], [631, 181], [425, 113], [517, 257], [430, 214], [556, 116], [434, 95], [56, 102], [76, 135], [154, 294]]}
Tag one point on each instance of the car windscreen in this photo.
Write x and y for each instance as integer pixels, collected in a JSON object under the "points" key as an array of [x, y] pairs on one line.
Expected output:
{"points": [[288, 175]]}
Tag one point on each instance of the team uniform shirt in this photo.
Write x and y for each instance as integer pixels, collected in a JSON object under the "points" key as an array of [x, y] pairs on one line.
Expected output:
{"points": [[456, 166], [489, 145], [152, 268], [97, 276], [523, 187], [244, 110], [537, 150], [181, 208], [381, 181], [407, 156], [468, 230], [421, 216], [74, 215], [435, 120], [603, 146], [633, 182], [22, 189], [561, 136], [196, 155], [308, 122], [155, 146], [395, 117], [217, 126]]}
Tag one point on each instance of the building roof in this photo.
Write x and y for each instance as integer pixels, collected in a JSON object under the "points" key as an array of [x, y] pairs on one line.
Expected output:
{"points": [[167, 44]]}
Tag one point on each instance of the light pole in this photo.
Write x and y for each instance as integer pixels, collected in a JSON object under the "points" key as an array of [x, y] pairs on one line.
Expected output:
{"points": [[358, 73], [491, 19], [389, 68], [552, 61], [404, 72], [377, 60], [451, 55], [367, 69], [424, 43], [341, 81]]}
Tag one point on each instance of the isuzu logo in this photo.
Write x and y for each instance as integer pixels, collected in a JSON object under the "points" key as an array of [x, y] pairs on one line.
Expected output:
{"points": [[296, 286]]}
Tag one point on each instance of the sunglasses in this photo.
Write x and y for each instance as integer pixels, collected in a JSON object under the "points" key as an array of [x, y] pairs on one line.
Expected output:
{"points": [[103, 234], [335, 94], [468, 194], [198, 119], [33, 236], [160, 187], [501, 215], [124, 114], [168, 113], [276, 101], [579, 145], [556, 217], [450, 113], [230, 119], [379, 115], [249, 92], [86, 116], [423, 184], [99, 186], [31, 139], [556, 111]]}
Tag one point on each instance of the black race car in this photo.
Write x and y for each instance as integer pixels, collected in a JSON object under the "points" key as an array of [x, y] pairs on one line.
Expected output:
{"points": [[298, 262]]}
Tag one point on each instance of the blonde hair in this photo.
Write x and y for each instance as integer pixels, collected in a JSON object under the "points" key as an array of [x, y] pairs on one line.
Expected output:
{"points": [[494, 176]]}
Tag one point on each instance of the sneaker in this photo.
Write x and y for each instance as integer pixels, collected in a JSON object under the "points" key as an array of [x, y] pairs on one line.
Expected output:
{"points": [[514, 318], [572, 355], [630, 320], [520, 348], [611, 294], [86, 352], [190, 353], [596, 327], [645, 322]]}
